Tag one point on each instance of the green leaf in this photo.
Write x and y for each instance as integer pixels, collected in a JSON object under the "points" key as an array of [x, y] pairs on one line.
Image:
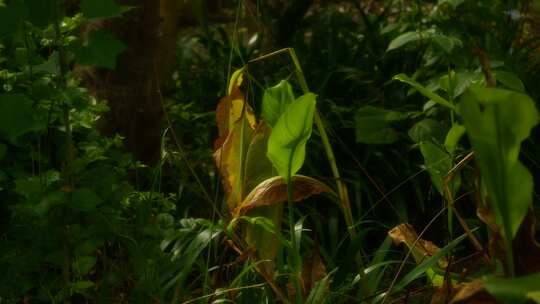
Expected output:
{"points": [[320, 291], [51, 66], [515, 290], [373, 125], [452, 137], [287, 142], [85, 199], [84, 264], [535, 296], [99, 9], [509, 80], [446, 43], [423, 90], [17, 117], [405, 38], [438, 163], [89, 246], [101, 51], [30, 188], [189, 242], [497, 121], [426, 130], [275, 101]]}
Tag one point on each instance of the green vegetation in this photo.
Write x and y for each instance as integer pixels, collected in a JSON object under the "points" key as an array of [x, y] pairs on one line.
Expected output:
{"points": [[269, 151]]}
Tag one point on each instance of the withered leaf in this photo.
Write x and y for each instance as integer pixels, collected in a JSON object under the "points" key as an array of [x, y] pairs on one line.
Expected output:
{"points": [[274, 191], [473, 293], [420, 248]]}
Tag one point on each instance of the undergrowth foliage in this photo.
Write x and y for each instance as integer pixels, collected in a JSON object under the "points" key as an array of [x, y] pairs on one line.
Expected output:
{"points": [[388, 155]]}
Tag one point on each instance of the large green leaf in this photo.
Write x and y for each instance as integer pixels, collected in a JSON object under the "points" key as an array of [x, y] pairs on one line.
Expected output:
{"points": [[101, 51], [373, 125], [497, 121], [287, 142], [516, 290], [275, 101], [17, 117], [99, 9]]}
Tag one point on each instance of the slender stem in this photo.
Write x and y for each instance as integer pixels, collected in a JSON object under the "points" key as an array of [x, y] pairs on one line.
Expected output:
{"points": [[295, 250], [342, 187], [67, 170]]}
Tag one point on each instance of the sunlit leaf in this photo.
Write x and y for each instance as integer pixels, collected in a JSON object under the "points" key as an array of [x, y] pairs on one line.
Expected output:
{"points": [[230, 160], [232, 108], [275, 101], [236, 123], [287, 142]]}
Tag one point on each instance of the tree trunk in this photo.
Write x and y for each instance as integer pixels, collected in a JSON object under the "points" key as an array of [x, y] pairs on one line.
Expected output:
{"points": [[133, 89]]}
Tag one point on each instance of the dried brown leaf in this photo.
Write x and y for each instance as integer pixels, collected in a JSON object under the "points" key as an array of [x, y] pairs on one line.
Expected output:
{"points": [[473, 293], [274, 191], [421, 249]]}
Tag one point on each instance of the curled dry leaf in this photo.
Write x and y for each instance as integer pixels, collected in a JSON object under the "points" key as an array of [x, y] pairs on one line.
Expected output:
{"points": [[231, 109], [229, 160], [420, 248], [274, 191], [236, 123], [473, 293]]}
